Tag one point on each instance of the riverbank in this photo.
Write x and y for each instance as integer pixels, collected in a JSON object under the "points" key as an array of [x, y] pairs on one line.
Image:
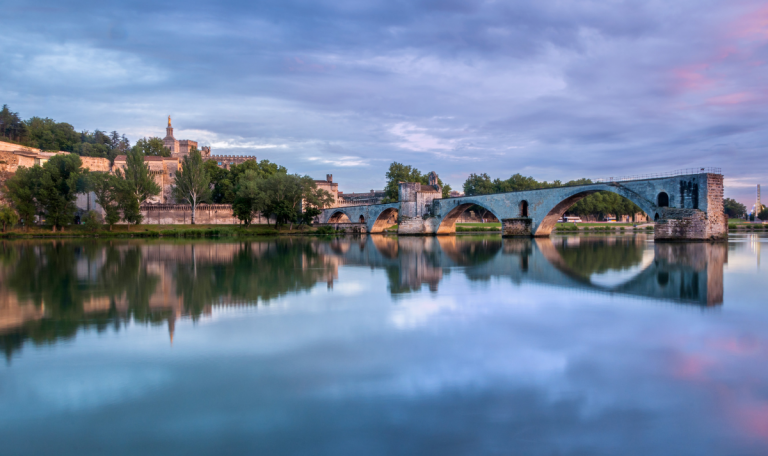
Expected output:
{"points": [[158, 231]]}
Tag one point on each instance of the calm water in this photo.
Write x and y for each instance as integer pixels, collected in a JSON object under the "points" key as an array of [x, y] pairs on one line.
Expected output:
{"points": [[378, 345]]}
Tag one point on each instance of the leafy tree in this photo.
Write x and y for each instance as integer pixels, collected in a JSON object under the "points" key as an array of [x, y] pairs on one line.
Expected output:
{"points": [[192, 183], [60, 182], [106, 188], [152, 147], [224, 181], [249, 199], [8, 217], [11, 126], [399, 172], [135, 185], [763, 214], [21, 189], [91, 220], [733, 208]]}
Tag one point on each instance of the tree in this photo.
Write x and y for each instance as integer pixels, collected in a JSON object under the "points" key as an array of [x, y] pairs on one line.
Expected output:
{"points": [[478, 184], [21, 189], [105, 187], [91, 220], [224, 181], [61, 180], [249, 199], [192, 183], [8, 217], [315, 199], [763, 214], [733, 209], [151, 146], [135, 185]]}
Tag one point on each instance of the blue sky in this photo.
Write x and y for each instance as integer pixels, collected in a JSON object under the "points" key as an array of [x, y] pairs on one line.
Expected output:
{"points": [[551, 89]]}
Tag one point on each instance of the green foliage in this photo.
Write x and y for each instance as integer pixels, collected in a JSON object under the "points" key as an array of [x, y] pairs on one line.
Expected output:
{"points": [[278, 195], [105, 187], [399, 172], [192, 183], [135, 185], [598, 204], [734, 209], [224, 181], [91, 220], [152, 147], [763, 214], [47, 134], [325, 230], [8, 217], [62, 179], [21, 189], [11, 126]]}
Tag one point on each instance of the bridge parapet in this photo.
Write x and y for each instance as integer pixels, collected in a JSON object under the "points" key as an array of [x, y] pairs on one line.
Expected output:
{"points": [[684, 206]]}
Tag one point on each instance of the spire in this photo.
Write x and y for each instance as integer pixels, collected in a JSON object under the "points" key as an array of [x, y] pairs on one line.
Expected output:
{"points": [[169, 120]]}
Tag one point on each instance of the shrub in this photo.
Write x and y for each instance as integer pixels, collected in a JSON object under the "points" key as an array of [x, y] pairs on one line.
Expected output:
{"points": [[91, 220], [8, 217], [325, 230]]}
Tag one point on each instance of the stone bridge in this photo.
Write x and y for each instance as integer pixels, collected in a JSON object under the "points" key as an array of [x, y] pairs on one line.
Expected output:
{"points": [[685, 205]]}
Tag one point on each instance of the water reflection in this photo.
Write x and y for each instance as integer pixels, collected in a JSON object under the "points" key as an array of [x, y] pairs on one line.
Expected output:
{"points": [[51, 289]]}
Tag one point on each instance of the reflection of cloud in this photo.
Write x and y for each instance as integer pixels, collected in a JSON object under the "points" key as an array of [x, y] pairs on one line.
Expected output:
{"points": [[418, 312]]}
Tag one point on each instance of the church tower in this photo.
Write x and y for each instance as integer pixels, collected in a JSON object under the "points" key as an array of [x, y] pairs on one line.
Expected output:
{"points": [[169, 141]]}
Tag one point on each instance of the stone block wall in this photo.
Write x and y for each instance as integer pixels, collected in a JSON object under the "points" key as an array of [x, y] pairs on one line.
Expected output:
{"points": [[181, 214], [516, 227]]}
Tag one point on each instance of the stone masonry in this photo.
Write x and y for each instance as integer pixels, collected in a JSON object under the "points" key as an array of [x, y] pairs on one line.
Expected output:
{"points": [[685, 207]]}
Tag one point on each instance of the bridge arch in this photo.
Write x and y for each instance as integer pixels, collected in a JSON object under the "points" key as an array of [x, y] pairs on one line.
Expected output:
{"points": [[385, 219], [339, 217], [448, 223], [549, 218]]}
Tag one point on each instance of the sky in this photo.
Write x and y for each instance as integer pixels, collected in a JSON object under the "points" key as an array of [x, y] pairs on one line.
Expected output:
{"points": [[549, 89]]}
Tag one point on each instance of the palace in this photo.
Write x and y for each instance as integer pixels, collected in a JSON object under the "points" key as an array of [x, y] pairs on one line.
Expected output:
{"points": [[182, 147]]}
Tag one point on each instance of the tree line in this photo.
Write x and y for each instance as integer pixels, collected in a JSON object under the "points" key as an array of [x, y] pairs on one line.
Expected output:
{"points": [[49, 135], [50, 191]]}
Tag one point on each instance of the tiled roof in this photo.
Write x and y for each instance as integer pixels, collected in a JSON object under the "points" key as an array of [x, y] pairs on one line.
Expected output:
{"points": [[121, 158], [428, 188]]}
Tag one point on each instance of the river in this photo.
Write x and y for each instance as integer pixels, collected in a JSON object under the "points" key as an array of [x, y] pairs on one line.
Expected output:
{"points": [[379, 345]]}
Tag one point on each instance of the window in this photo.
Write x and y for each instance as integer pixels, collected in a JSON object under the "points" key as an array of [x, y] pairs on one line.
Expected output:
{"points": [[663, 200], [219, 163], [524, 208]]}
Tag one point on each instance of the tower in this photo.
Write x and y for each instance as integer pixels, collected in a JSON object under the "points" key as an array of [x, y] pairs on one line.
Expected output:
{"points": [[169, 141]]}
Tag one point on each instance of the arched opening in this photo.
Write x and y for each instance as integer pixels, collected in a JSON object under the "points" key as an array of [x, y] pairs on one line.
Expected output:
{"points": [[339, 217], [609, 197], [524, 208], [386, 219], [448, 224], [362, 219], [662, 200], [656, 217]]}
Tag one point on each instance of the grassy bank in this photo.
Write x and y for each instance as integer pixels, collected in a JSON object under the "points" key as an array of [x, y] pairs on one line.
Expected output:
{"points": [[157, 231]]}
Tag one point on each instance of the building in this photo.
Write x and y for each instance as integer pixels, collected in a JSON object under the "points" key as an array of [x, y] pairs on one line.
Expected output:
{"points": [[181, 148]]}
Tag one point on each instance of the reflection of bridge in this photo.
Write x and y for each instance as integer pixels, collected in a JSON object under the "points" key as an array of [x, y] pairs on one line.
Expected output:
{"points": [[686, 273], [685, 206]]}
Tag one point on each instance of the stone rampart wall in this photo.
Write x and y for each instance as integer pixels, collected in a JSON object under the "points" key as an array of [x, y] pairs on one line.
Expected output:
{"points": [[206, 214]]}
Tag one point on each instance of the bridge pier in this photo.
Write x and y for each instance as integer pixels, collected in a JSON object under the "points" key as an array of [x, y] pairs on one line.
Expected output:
{"points": [[514, 227]]}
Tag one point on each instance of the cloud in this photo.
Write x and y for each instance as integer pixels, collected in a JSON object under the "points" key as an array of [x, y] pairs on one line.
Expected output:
{"points": [[562, 90]]}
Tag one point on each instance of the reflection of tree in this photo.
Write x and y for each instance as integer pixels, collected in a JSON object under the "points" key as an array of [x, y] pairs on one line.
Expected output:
{"points": [[64, 278], [599, 255], [258, 271]]}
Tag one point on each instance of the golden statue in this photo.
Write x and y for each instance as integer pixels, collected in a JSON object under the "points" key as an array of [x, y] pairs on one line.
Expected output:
{"points": [[169, 121]]}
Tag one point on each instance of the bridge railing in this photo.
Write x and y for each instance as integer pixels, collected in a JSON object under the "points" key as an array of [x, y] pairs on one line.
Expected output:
{"points": [[678, 172]]}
